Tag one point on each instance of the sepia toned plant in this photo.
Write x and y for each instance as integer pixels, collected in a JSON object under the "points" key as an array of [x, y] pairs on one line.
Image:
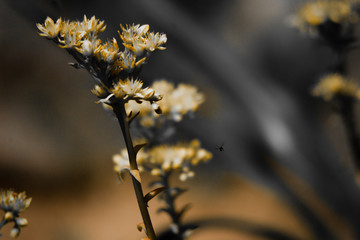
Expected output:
{"points": [[115, 72], [13, 204], [335, 85], [333, 22], [176, 102], [115, 68]]}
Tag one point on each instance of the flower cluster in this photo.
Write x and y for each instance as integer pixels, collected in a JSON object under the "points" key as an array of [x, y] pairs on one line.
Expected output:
{"points": [[12, 204], [334, 85], [163, 159], [115, 71], [176, 102], [315, 14]]}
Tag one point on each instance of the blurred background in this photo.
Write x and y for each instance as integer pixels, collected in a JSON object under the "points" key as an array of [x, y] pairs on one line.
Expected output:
{"points": [[285, 172]]}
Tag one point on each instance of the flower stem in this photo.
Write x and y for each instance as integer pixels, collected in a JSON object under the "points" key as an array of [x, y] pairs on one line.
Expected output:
{"points": [[2, 223], [170, 202], [119, 110], [347, 114]]}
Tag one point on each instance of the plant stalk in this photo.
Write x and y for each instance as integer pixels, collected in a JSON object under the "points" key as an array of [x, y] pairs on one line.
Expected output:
{"points": [[170, 202], [348, 117], [119, 110]]}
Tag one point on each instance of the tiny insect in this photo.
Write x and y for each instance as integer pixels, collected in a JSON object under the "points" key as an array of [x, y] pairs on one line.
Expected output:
{"points": [[220, 148]]}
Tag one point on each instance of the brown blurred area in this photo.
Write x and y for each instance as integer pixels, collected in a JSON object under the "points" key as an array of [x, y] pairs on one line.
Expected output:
{"points": [[285, 164]]}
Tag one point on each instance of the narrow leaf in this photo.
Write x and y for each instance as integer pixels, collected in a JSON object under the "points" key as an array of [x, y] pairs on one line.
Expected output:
{"points": [[164, 210], [138, 147], [75, 65], [121, 172], [153, 193], [131, 118], [121, 177], [136, 174], [156, 184], [176, 191], [183, 210]]}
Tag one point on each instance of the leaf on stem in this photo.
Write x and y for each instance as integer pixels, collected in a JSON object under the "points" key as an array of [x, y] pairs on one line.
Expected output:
{"points": [[121, 176], [176, 191], [183, 210], [141, 226], [131, 117], [164, 210], [136, 174], [75, 65], [154, 184], [121, 170], [150, 195], [138, 147]]}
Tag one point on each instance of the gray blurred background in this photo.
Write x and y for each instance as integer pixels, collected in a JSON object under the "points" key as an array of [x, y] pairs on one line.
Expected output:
{"points": [[285, 165]]}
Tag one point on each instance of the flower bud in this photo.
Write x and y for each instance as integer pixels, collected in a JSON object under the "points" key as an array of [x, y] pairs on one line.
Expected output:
{"points": [[9, 216], [22, 222], [15, 232]]}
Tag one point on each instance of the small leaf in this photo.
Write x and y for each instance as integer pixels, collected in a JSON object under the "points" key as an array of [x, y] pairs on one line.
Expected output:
{"points": [[138, 147], [106, 100], [136, 174], [131, 118], [164, 210], [183, 210], [176, 191], [158, 110], [141, 226], [188, 230], [121, 171], [156, 184], [121, 176], [75, 65], [153, 193]]}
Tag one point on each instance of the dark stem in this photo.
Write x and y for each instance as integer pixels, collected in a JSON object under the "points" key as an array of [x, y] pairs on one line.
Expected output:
{"points": [[348, 116], [119, 110], [170, 202], [346, 109], [2, 223]]}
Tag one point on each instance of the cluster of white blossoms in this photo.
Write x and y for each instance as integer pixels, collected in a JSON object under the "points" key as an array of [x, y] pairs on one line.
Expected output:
{"points": [[162, 159], [334, 85], [176, 102], [114, 70], [13, 204]]}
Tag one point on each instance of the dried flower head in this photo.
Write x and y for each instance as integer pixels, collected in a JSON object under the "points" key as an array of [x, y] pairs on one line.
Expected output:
{"points": [[107, 52], [138, 39], [131, 89], [316, 13], [334, 85], [176, 102], [91, 26], [114, 71], [50, 29], [12, 204], [162, 159]]}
